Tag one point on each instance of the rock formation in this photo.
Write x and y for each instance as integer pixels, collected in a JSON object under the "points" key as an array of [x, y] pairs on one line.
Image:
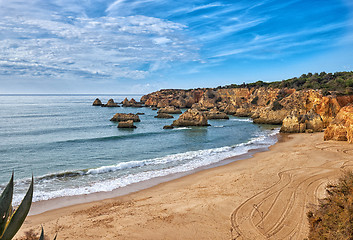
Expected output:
{"points": [[131, 103], [97, 102], [164, 115], [192, 117], [110, 103], [298, 110], [341, 128], [168, 127], [296, 123], [121, 117], [169, 110], [126, 124], [243, 112], [230, 109], [215, 114]]}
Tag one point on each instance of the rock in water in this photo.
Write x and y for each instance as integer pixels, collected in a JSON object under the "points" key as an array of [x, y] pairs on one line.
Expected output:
{"points": [[164, 115], [110, 103], [126, 124], [168, 127], [341, 128], [215, 114], [191, 117], [170, 110], [97, 102], [131, 103], [121, 117]]}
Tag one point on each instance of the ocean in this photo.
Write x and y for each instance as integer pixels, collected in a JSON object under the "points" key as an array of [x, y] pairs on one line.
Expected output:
{"points": [[72, 148]]}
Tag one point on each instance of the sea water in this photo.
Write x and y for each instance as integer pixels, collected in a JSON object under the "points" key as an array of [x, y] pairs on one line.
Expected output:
{"points": [[72, 148]]}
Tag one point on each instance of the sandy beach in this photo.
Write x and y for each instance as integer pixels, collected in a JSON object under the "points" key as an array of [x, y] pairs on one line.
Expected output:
{"points": [[263, 197]]}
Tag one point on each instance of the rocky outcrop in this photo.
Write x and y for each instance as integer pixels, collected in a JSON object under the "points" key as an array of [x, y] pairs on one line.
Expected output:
{"points": [[341, 128], [192, 117], [264, 105], [199, 107], [296, 123], [126, 124], [164, 115], [110, 103], [131, 103], [243, 112], [169, 110], [121, 117], [269, 116], [293, 124], [97, 102], [215, 114], [230, 109]]}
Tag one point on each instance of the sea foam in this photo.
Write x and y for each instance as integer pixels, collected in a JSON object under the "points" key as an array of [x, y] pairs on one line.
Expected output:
{"points": [[158, 167]]}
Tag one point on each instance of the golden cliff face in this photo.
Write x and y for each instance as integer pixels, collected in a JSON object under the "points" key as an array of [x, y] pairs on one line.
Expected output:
{"points": [[264, 105], [341, 128]]}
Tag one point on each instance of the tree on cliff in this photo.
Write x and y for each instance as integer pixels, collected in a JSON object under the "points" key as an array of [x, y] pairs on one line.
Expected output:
{"points": [[339, 82]]}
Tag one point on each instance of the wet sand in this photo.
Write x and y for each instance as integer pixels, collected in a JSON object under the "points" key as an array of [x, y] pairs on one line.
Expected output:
{"points": [[263, 197]]}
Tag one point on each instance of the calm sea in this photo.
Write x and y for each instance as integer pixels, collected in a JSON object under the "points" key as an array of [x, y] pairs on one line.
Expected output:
{"points": [[72, 148]]}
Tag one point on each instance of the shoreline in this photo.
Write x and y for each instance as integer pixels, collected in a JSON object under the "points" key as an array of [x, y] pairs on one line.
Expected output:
{"points": [[67, 201], [216, 203]]}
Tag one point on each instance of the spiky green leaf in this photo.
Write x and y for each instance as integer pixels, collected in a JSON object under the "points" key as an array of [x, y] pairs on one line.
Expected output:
{"points": [[42, 234], [5, 205], [19, 215]]}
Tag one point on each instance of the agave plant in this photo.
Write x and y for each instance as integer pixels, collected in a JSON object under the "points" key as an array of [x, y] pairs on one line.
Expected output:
{"points": [[10, 220]]}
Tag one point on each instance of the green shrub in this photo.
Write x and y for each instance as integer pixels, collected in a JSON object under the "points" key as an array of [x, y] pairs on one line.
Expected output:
{"points": [[333, 219]]}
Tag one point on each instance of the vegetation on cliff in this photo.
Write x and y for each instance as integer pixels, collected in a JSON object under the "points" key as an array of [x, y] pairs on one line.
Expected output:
{"points": [[334, 217], [340, 82]]}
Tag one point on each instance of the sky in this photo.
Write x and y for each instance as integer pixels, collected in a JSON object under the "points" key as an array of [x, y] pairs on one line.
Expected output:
{"points": [[140, 46]]}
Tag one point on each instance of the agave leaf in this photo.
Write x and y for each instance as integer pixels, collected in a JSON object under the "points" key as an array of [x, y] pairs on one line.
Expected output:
{"points": [[16, 220], [42, 234], [5, 205]]}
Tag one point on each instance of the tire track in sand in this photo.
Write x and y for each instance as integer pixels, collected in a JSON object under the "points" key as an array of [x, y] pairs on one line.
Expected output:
{"points": [[279, 212]]}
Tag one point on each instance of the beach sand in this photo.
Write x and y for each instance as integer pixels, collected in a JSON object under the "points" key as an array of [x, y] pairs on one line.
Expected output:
{"points": [[263, 197]]}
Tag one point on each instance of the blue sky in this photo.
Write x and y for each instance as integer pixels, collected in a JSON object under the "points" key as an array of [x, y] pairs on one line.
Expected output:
{"points": [[139, 46]]}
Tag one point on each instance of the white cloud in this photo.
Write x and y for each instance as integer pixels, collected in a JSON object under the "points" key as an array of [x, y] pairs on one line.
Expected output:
{"points": [[100, 47]]}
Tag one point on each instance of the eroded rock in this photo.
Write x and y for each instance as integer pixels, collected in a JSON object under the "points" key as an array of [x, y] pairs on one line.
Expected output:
{"points": [[120, 117], [192, 117], [341, 128], [126, 124], [97, 102]]}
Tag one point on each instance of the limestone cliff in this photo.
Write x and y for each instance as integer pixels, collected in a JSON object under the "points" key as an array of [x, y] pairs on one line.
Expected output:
{"points": [[341, 128], [300, 110]]}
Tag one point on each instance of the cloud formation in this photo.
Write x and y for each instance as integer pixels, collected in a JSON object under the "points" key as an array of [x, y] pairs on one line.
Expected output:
{"points": [[144, 41], [115, 47]]}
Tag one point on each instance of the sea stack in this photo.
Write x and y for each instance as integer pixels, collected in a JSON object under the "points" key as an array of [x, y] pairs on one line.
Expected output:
{"points": [[97, 102], [126, 124], [110, 103], [192, 117], [121, 117]]}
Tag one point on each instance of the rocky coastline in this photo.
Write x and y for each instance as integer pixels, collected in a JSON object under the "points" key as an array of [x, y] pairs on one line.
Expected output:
{"points": [[295, 110]]}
